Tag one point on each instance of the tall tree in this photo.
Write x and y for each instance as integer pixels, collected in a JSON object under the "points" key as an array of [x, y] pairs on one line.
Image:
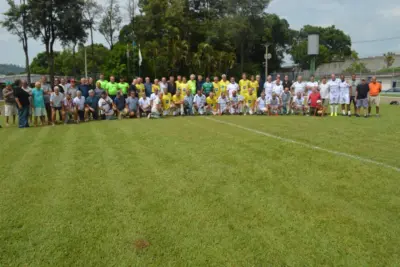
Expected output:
{"points": [[389, 59], [111, 22], [17, 22], [53, 20], [335, 45], [90, 12]]}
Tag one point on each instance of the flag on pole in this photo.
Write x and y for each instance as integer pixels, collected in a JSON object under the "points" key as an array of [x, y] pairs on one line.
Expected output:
{"points": [[140, 57]]}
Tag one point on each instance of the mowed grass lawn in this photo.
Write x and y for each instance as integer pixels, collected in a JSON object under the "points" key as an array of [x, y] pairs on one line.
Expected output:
{"points": [[196, 192]]}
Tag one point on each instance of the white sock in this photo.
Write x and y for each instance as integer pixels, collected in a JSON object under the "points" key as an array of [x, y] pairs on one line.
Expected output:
{"points": [[349, 112], [336, 108], [331, 108]]}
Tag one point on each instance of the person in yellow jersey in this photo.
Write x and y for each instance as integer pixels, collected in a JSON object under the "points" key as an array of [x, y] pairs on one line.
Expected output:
{"points": [[244, 85], [183, 86], [166, 102], [254, 84], [211, 107], [140, 87], [156, 85], [223, 85], [177, 105], [250, 103], [216, 89], [178, 81]]}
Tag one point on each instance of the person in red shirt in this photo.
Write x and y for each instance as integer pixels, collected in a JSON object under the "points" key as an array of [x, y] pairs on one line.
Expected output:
{"points": [[313, 100]]}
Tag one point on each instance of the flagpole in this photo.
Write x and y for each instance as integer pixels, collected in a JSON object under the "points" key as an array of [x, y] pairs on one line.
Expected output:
{"points": [[127, 59], [85, 64]]}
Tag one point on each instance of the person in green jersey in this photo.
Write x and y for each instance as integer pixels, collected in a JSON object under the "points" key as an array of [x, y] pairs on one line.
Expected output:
{"points": [[102, 82], [192, 84], [207, 87], [112, 88], [123, 87]]}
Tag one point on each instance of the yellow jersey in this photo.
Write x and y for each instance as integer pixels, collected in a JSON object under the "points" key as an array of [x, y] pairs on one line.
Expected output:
{"points": [[176, 99], [177, 83], [250, 100], [254, 85], [166, 101], [212, 102], [244, 86], [216, 89], [140, 88], [153, 88], [183, 88], [223, 86]]}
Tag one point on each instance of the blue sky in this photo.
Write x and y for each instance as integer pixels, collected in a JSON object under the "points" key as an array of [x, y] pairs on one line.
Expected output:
{"points": [[361, 19]]}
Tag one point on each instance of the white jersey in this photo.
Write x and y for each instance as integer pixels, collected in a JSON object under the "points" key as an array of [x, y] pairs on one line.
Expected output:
{"points": [[153, 96], [106, 106], [278, 89], [275, 102], [223, 102], [199, 100], [79, 102], [334, 87], [344, 87], [299, 101], [268, 88], [156, 102], [232, 87], [234, 99], [144, 103], [261, 103], [324, 90], [299, 87], [163, 86]]}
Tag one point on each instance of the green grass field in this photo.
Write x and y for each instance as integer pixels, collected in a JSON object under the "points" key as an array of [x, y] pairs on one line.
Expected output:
{"points": [[197, 192]]}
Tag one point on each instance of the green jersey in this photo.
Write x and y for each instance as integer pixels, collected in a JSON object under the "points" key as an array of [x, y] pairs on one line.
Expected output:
{"points": [[103, 84], [207, 87], [123, 87], [192, 86], [112, 88]]}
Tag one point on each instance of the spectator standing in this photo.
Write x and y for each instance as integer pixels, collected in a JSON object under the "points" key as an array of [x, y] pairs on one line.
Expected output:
{"points": [[10, 108], [39, 110], [84, 87], [72, 89], [362, 98], [46, 96], [172, 85], [375, 89], [22, 99], [56, 99]]}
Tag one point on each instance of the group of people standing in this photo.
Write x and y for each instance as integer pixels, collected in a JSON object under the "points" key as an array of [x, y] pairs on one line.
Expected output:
{"points": [[116, 100]]}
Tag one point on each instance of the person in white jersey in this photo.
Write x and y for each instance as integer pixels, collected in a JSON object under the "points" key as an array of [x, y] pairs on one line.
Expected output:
{"points": [[311, 84], [232, 86], [299, 86], [278, 88], [235, 104], [199, 102], [262, 104], [324, 91], [268, 87], [344, 96], [223, 104], [334, 94]]}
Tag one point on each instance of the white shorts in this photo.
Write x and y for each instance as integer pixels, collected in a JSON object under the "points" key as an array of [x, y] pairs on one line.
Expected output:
{"points": [[344, 98], [333, 99], [39, 112], [200, 111], [10, 110]]}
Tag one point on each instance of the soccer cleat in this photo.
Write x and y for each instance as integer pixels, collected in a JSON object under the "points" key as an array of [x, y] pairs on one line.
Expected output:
{"points": [[332, 114], [335, 114]]}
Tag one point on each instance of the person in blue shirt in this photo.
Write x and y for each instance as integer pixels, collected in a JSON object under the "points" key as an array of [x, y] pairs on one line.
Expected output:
{"points": [[148, 87], [119, 103], [38, 103], [92, 106], [84, 88]]}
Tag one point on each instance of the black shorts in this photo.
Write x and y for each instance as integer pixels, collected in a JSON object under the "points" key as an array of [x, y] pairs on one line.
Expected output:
{"points": [[81, 114], [353, 99], [57, 108]]}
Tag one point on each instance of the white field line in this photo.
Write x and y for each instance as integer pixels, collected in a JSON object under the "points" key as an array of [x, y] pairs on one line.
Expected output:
{"points": [[287, 140]]}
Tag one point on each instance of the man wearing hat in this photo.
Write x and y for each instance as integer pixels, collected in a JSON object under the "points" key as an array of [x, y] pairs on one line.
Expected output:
{"points": [[9, 99]]}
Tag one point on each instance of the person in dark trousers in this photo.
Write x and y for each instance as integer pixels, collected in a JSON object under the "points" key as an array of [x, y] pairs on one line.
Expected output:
{"points": [[286, 82], [23, 104], [172, 85], [361, 98]]}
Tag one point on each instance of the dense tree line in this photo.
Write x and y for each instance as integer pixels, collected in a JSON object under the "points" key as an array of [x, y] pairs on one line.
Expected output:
{"points": [[210, 37]]}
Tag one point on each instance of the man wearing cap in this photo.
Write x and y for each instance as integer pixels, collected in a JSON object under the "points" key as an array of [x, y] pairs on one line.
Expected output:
{"points": [[9, 99]]}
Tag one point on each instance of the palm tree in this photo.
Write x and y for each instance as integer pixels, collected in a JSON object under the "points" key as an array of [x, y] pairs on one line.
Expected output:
{"points": [[389, 59]]}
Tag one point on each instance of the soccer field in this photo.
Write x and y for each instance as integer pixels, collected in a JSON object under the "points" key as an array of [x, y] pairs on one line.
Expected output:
{"points": [[215, 191]]}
